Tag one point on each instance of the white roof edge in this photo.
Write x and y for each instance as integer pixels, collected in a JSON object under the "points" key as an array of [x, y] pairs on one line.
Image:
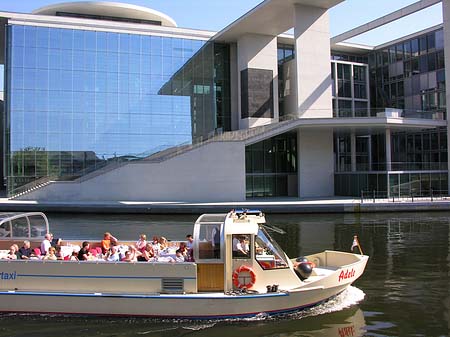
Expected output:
{"points": [[104, 5], [384, 20], [253, 18], [355, 45], [89, 24], [410, 36]]}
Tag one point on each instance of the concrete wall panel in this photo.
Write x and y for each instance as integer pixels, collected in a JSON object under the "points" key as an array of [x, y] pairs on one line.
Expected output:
{"points": [[316, 166], [215, 172]]}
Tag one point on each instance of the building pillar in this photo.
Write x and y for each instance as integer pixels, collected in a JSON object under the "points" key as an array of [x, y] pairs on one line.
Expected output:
{"points": [[312, 57], [446, 19], [257, 69], [388, 151], [353, 151]]}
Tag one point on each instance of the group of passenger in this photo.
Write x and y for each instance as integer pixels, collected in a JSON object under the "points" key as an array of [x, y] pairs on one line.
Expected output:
{"points": [[158, 249], [50, 249]]}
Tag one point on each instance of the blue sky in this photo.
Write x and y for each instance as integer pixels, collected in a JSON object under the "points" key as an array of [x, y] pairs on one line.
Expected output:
{"points": [[215, 15]]}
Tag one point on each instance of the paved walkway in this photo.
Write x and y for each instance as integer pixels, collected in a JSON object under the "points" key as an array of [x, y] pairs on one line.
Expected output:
{"points": [[288, 205]]}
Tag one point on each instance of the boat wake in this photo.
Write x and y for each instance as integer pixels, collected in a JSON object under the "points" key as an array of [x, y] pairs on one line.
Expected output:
{"points": [[348, 298]]}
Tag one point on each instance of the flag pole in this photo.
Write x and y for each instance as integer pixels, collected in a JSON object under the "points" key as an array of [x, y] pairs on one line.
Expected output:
{"points": [[355, 238]]}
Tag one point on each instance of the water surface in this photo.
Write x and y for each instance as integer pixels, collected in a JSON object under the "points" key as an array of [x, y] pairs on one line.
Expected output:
{"points": [[405, 290]]}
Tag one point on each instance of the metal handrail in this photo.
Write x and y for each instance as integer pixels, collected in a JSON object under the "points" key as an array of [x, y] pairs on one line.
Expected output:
{"points": [[395, 167], [402, 196]]}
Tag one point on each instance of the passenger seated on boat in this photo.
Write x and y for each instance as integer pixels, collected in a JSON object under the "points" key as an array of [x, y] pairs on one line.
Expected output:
{"points": [[112, 255], [74, 256], [130, 255], [148, 254], [83, 254], [141, 243], [156, 245], [12, 253], [51, 254], [58, 253], [189, 241], [163, 243], [183, 248], [179, 256], [56, 242], [108, 239], [46, 243], [25, 252]]}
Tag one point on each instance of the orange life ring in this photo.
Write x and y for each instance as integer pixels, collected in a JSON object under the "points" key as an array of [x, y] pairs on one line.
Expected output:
{"points": [[237, 283]]}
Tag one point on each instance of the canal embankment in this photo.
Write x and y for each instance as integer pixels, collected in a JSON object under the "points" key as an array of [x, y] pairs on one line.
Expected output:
{"points": [[291, 206]]}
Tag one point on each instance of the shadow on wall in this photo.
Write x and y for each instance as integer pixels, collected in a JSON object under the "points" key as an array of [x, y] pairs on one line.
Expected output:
{"points": [[316, 94]]}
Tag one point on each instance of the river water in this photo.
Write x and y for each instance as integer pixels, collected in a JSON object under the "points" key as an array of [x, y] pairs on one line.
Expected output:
{"points": [[405, 290]]}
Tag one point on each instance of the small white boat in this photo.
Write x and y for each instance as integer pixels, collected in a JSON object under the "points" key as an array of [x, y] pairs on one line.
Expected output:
{"points": [[239, 271]]}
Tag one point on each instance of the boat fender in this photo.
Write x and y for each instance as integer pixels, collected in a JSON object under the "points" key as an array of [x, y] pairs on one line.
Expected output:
{"points": [[303, 268], [250, 280]]}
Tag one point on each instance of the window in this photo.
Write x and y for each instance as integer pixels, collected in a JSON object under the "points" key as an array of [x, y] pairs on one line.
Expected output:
{"points": [[267, 252], [209, 246], [241, 246]]}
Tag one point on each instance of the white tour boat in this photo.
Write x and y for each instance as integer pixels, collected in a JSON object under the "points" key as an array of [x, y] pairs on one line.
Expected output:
{"points": [[239, 271]]}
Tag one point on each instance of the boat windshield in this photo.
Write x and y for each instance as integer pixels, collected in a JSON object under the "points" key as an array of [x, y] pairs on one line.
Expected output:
{"points": [[267, 252], [23, 225]]}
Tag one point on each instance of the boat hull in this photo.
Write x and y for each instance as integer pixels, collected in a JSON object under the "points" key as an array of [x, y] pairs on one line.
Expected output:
{"points": [[162, 306], [133, 301]]}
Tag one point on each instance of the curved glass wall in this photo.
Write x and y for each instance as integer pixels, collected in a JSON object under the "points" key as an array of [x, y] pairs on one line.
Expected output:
{"points": [[77, 99]]}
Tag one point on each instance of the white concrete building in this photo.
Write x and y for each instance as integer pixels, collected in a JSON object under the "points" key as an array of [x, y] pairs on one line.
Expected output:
{"points": [[108, 101]]}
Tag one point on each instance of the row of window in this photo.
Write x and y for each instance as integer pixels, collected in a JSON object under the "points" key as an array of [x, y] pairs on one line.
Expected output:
{"points": [[424, 44], [39, 58], [73, 40]]}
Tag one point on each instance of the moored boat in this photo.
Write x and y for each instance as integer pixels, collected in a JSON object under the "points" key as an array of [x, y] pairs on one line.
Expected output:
{"points": [[239, 271]]}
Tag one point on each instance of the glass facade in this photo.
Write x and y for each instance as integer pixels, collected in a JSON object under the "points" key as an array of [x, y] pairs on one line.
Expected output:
{"points": [[410, 75], [286, 53], [350, 85], [418, 167], [271, 167], [76, 98]]}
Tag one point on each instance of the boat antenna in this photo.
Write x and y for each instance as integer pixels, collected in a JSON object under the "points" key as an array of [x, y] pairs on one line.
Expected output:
{"points": [[273, 229]]}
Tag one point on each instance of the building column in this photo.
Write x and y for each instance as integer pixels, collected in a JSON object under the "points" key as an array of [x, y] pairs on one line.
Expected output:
{"points": [[353, 151], [312, 57], [388, 151], [446, 19], [257, 69]]}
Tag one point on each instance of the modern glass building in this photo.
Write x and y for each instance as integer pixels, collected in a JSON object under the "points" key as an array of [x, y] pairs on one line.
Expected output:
{"points": [[78, 98], [110, 101]]}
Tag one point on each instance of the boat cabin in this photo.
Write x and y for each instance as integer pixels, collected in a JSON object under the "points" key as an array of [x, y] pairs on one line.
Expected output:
{"points": [[234, 250]]}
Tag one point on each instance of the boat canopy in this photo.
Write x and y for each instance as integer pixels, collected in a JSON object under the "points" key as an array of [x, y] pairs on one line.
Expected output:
{"points": [[23, 225]]}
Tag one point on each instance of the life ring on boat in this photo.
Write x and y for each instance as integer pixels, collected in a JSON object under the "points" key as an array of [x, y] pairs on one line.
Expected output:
{"points": [[237, 283]]}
